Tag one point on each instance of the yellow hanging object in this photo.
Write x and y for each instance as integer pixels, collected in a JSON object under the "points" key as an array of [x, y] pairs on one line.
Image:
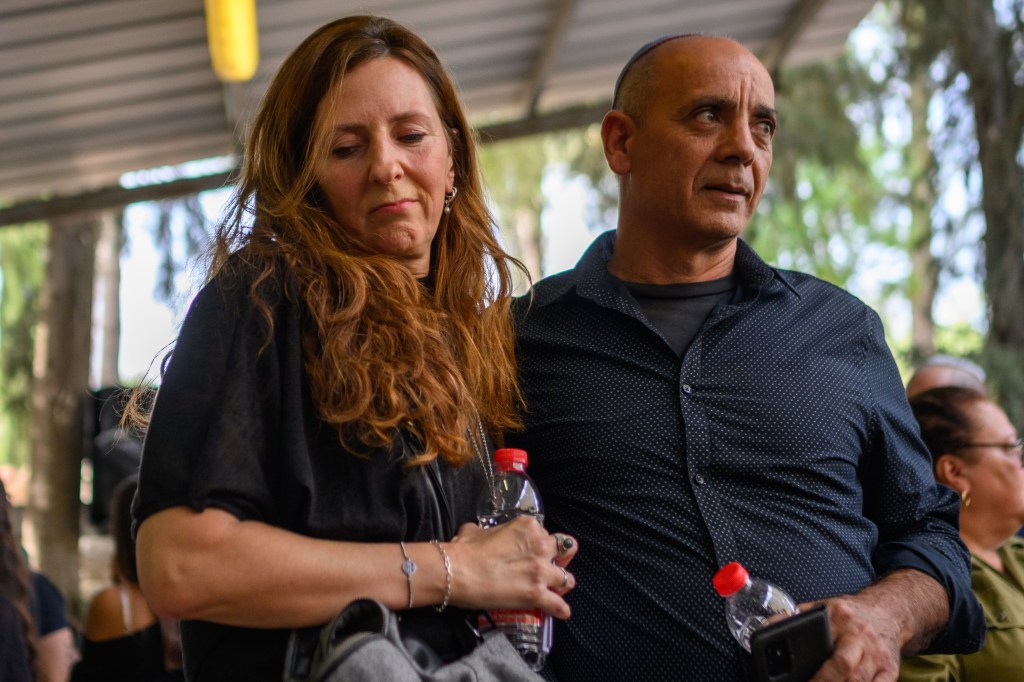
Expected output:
{"points": [[233, 39]]}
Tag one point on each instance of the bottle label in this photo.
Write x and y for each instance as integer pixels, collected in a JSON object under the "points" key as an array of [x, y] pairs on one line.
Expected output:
{"points": [[505, 619]]}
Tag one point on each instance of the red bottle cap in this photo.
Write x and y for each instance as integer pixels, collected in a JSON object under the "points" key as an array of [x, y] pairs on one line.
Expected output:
{"points": [[730, 578], [511, 459]]}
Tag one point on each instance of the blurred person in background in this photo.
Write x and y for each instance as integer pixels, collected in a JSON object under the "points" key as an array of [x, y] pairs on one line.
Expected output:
{"points": [[122, 638], [977, 452], [945, 370], [55, 639]]}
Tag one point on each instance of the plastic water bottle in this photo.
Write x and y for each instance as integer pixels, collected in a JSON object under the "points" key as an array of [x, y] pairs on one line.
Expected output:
{"points": [[750, 603], [513, 494]]}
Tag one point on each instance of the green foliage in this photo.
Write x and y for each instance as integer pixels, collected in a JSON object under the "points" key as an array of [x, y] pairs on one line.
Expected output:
{"points": [[180, 233], [819, 213], [514, 172], [958, 340], [22, 268]]}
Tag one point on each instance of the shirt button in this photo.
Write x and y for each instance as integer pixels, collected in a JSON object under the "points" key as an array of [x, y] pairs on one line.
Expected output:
{"points": [[687, 388], [1002, 616], [698, 479]]}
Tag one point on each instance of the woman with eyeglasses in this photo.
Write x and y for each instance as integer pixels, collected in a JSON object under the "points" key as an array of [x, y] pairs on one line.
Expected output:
{"points": [[977, 452]]}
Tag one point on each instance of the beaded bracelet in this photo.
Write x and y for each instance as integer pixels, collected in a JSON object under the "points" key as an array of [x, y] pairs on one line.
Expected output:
{"points": [[408, 567], [448, 577]]}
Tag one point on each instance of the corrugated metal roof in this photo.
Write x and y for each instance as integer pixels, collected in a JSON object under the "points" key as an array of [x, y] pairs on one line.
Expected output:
{"points": [[91, 89]]}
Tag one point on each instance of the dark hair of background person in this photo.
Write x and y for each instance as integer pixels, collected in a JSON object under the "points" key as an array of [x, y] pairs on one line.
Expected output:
{"points": [[14, 584], [943, 414], [121, 529], [367, 317]]}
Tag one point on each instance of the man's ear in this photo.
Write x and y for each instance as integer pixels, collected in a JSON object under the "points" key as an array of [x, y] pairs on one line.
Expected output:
{"points": [[951, 470], [617, 131]]}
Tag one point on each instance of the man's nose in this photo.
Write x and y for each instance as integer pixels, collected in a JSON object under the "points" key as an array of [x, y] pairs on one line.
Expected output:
{"points": [[738, 142]]}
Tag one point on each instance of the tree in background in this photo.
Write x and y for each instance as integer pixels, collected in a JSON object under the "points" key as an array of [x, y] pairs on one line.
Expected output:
{"points": [[819, 211], [60, 384], [21, 277], [513, 172], [987, 40]]}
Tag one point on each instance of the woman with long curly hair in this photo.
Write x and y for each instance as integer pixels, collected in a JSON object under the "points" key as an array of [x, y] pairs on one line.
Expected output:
{"points": [[327, 409], [17, 639]]}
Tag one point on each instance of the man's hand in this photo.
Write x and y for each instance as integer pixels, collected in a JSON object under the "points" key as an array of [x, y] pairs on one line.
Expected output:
{"points": [[898, 615]]}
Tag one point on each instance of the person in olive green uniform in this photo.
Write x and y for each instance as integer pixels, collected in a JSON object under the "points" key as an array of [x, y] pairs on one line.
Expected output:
{"points": [[977, 452]]}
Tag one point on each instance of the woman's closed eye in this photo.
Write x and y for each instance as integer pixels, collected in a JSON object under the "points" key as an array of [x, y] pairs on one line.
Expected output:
{"points": [[344, 151]]}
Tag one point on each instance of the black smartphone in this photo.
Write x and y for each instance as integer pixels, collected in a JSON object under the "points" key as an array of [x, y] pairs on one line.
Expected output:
{"points": [[793, 649]]}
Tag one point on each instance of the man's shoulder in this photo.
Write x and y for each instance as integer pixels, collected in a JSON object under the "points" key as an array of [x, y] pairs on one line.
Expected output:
{"points": [[545, 291], [811, 287]]}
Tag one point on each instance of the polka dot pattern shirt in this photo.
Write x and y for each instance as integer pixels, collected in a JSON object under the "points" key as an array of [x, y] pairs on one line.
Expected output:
{"points": [[781, 439]]}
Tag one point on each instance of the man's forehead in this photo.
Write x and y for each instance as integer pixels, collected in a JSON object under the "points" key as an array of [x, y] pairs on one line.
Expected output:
{"points": [[709, 66]]}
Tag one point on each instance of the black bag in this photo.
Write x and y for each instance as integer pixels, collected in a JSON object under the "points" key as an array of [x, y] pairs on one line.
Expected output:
{"points": [[363, 642]]}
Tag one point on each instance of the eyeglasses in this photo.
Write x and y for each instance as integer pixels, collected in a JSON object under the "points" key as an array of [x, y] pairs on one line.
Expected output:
{"points": [[1016, 446]]}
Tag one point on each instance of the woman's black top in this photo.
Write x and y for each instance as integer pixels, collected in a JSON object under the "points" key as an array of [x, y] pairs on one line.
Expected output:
{"points": [[234, 427], [138, 656]]}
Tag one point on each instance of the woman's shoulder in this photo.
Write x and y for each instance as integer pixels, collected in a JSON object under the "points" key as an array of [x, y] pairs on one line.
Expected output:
{"points": [[244, 268], [105, 619], [228, 294]]}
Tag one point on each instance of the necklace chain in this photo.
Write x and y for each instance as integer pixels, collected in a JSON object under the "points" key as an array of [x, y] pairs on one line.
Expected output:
{"points": [[479, 440]]}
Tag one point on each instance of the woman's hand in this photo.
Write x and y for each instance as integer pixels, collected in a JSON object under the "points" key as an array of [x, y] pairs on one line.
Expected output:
{"points": [[515, 565]]}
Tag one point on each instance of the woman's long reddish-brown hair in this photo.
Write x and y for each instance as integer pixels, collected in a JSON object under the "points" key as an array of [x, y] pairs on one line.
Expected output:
{"points": [[382, 350]]}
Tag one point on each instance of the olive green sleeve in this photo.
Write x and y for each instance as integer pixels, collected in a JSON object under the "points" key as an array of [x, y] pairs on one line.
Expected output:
{"points": [[931, 669]]}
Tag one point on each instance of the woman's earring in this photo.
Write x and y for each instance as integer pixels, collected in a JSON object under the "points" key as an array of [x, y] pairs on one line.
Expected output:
{"points": [[448, 198], [965, 499]]}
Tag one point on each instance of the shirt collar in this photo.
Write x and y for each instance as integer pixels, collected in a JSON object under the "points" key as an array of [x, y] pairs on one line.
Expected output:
{"points": [[593, 281]]}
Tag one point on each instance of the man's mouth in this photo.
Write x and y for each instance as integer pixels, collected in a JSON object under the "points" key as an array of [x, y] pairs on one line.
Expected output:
{"points": [[738, 190]]}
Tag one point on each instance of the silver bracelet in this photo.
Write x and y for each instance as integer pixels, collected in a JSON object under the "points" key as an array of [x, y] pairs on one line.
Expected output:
{"points": [[408, 567], [448, 577]]}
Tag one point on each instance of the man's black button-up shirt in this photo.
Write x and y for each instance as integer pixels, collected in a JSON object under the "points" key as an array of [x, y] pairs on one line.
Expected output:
{"points": [[781, 439]]}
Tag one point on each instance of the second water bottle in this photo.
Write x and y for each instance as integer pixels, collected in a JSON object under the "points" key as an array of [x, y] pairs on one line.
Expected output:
{"points": [[750, 603]]}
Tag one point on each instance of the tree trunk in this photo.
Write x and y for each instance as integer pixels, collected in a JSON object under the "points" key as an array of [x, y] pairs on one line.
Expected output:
{"points": [[921, 166], [61, 379], [530, 240], [984, 50], [108, 291]]}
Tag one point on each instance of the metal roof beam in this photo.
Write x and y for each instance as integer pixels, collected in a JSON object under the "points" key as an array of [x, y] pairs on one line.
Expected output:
{"points": [[550, 47], [117, 196], [106, 198], [792, 27]]}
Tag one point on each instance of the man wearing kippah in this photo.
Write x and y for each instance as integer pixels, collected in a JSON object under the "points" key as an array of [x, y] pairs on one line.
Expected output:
{"points": [[688, 405]]}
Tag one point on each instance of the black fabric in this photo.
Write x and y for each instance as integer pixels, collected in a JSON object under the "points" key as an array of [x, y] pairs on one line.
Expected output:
{"points": [[14, 666], [781, 439], [138, 657], [47, 605], [234, 427], [678, 311]]}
